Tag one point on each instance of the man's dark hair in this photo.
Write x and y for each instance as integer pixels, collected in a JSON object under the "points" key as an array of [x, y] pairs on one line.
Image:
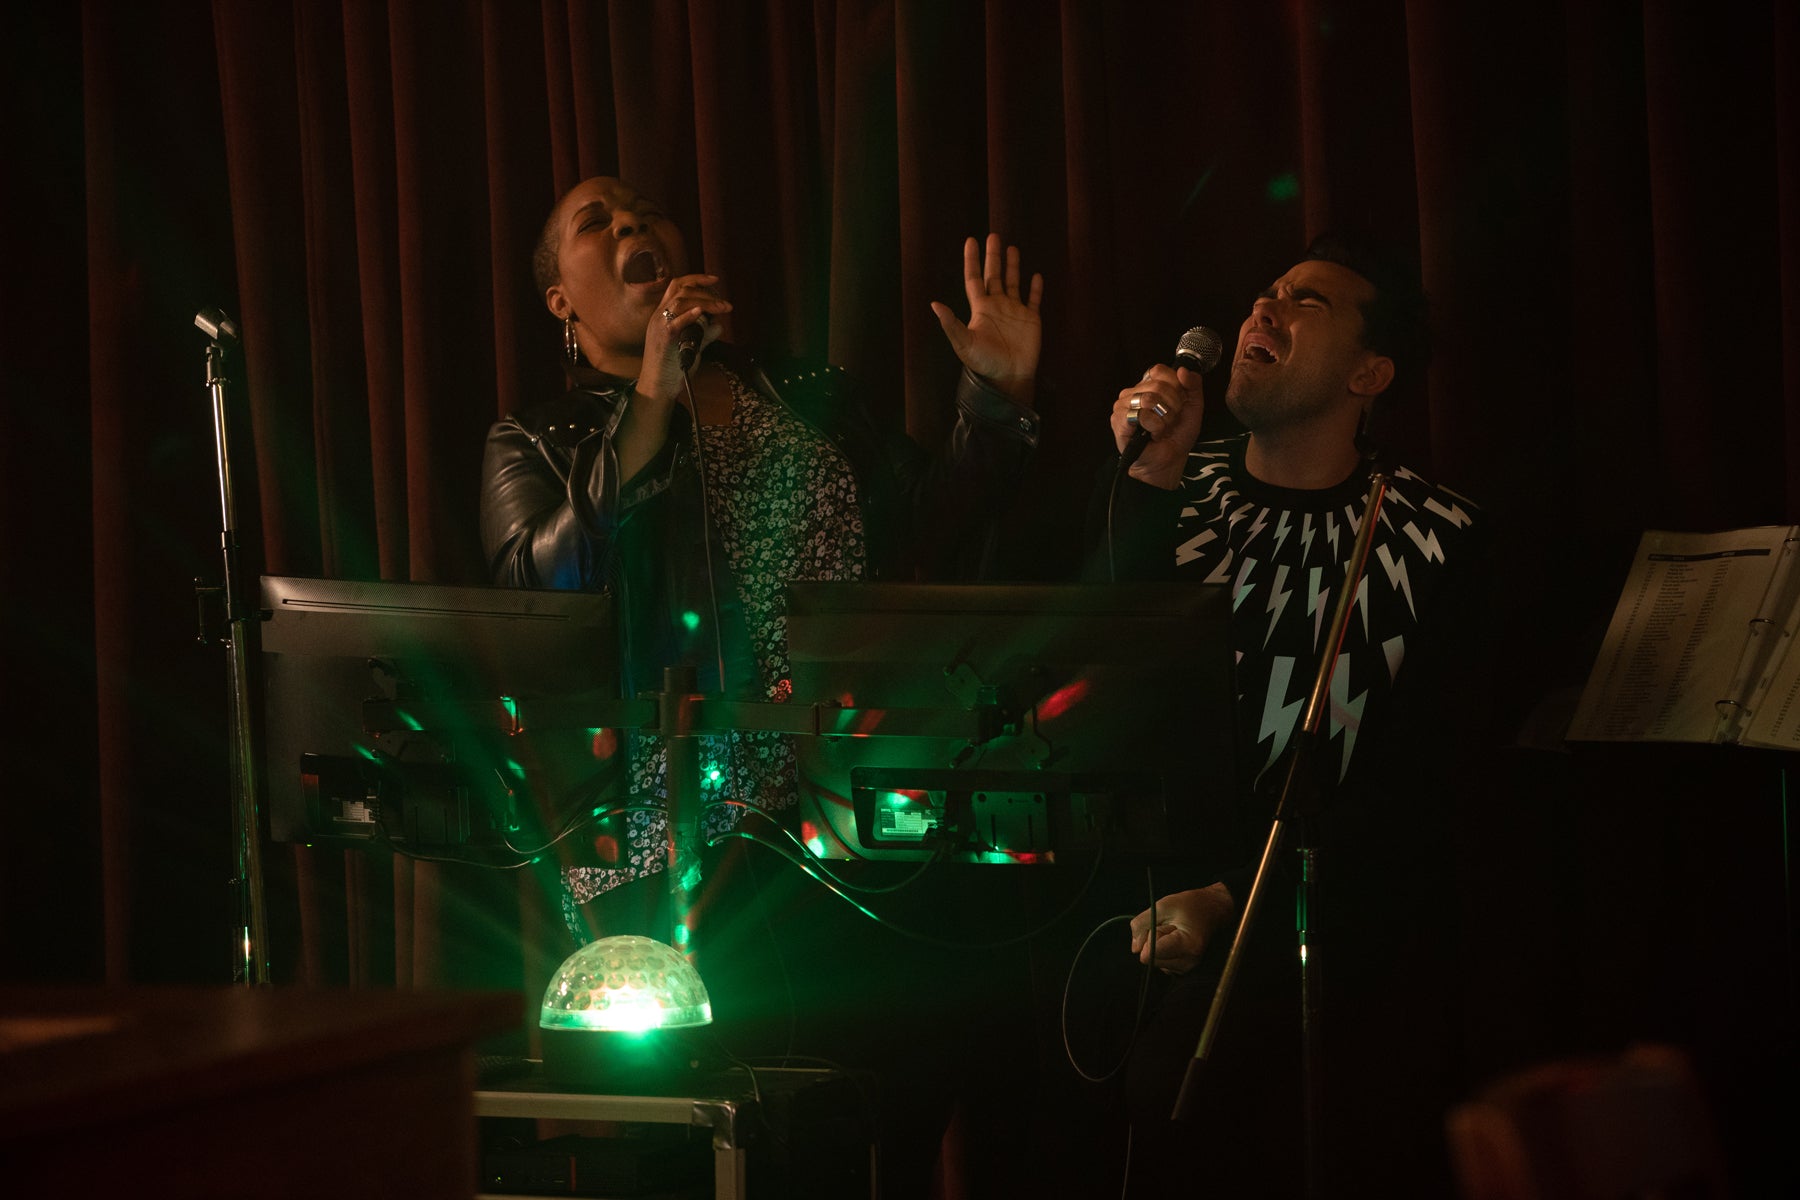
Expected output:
{"points": [[1395, 322]]}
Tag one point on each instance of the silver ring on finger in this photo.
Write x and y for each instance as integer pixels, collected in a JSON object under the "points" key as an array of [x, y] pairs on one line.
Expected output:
{"points": [[1160, 409], [667, 316]]}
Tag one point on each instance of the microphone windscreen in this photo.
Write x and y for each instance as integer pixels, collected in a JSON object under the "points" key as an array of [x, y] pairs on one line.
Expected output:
{"points": [[1199, 349]]}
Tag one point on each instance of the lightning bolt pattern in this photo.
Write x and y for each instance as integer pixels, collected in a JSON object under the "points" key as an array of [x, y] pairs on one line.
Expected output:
{"points": [[1278, 600], [1257, 525], [1283, 592], [1279, 715], [1395, 566], [1191, 549], [1451, 511], [1346, 713], [1284, 525], [1393, 652], [1241, 587], [1318, 602], [1426, 541]]}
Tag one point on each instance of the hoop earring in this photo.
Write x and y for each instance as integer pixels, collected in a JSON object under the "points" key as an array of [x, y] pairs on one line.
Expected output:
{"points": [[571, 348]]}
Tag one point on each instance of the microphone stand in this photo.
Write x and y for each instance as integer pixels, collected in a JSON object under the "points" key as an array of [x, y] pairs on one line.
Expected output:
{"points": [[250, 955], [1298, 794]]}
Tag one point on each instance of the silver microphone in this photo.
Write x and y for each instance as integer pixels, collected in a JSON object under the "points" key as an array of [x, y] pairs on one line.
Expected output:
{"points": [[216, 325], [1198, 350]]}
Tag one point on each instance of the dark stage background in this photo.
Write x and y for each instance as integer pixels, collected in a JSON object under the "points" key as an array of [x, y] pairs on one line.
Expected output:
{"points": [[1604, 196]]}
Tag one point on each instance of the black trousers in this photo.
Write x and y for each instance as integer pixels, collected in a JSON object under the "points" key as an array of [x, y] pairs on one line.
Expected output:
{"points": [[1387, 1077]]}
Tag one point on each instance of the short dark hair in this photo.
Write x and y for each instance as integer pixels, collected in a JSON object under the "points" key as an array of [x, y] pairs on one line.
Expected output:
{"points": [[1396, 321], [546, 272]]}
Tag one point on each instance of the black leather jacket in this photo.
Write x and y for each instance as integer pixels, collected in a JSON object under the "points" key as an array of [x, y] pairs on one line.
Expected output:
{"points": [[554, 512]]}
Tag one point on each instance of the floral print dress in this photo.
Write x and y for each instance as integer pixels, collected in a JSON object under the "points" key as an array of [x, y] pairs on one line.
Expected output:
{"points": [[783, 506]]}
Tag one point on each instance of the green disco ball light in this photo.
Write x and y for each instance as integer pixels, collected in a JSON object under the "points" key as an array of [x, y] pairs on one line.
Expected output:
{"points": [[625, 984]]}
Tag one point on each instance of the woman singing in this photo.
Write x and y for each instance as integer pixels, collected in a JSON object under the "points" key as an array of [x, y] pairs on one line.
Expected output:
{"points": [[697, 496]]}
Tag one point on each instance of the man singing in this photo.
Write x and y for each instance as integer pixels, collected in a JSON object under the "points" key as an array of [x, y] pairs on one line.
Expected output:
{"points": [[1273, 514]]}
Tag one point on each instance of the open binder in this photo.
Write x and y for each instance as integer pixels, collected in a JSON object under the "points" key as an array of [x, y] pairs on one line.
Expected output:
{"points": [[1699, 648]]}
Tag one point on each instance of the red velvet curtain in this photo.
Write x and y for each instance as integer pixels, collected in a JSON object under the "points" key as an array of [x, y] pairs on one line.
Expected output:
{"points": [[1603, 196]]}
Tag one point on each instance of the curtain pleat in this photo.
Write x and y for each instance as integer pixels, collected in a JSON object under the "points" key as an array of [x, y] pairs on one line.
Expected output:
{"points": [[109, 273], [159, 224], [865, 256], [1715, 222], [517, 147], [1786, 41], [339, 416], [940, 183]]}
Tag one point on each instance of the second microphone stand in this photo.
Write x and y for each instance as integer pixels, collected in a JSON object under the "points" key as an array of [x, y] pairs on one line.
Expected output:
{"points": [[250, 952], [1299, 785]]}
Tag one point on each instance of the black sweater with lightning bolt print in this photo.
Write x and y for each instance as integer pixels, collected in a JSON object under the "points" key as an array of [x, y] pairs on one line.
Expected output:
{"points": [[1404, 775], [1284, 553]]}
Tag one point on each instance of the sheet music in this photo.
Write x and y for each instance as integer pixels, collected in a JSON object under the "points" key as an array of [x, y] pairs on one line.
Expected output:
{"points": [[1776, 720], [1681, 635], [1768, 716]]}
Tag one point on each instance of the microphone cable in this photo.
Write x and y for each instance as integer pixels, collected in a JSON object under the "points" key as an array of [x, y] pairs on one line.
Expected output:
{"points": [[706, 540], [1143, 993], [1112, 494]]}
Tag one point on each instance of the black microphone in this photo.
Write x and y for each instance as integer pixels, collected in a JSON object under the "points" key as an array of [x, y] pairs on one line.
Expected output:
{"points": [[689, 338], [1198, 351]]}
